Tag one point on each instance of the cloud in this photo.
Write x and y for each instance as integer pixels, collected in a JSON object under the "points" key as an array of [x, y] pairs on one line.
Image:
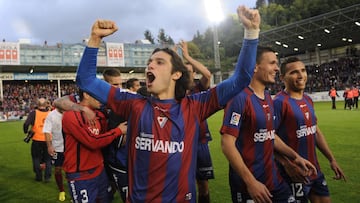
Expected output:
{"points": [[70, 21]]}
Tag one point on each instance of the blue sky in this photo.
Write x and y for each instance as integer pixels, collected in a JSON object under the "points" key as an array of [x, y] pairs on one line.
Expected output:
{"points": [[70, 21]]}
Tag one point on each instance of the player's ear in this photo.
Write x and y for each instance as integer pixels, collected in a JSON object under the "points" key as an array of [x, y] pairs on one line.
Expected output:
{"points": [[256, 68], [176, 75]]}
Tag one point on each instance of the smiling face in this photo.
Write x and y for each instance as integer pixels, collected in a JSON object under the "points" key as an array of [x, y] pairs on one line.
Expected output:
{"points": [[294, 76], [266, 68]]}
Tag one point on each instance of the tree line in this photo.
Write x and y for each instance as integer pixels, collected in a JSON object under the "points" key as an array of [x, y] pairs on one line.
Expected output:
{"points": [[274, 13]]}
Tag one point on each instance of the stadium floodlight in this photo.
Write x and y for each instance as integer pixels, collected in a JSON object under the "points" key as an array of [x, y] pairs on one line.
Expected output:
{"points": [[214, 11], [344, 39], [349, 40], [357, 23], [326, 30], [319, 45], [277, 42], [215, 15], [296, 49], [300, 37], [285, 45]]}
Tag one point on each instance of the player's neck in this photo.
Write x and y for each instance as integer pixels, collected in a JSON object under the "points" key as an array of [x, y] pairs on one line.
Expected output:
{"points": [[295, 94], [258, 89]]}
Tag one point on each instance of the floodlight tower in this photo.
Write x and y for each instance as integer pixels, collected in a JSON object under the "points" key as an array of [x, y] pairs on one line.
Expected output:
{"points": [[215, 15]]}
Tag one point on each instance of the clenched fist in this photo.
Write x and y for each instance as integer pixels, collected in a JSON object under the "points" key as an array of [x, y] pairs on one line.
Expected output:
{"points": [[101, 29], [249, 17]]}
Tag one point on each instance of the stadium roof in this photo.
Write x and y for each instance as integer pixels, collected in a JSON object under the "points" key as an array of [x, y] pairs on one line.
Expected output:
{"points": [[334, 29]]}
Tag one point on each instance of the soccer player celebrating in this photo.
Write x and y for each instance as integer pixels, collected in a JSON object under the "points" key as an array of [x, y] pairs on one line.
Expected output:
{"points": [[298, 128], [163, 130], [249, 140], [83, 161], [204, 168]]}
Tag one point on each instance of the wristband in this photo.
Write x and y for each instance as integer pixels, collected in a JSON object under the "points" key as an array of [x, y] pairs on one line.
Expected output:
{"points": [[251, 33]]}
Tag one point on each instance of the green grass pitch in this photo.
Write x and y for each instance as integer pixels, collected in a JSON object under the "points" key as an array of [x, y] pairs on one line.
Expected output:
{"points": [[341, 129]]}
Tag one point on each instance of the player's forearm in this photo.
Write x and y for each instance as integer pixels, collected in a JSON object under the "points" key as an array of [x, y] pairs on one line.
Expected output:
{"points": [[86, 76], [235, 159], [284, 149], [48, 139], [64, 103], [94, 41], [323, 146], [244, 70]]}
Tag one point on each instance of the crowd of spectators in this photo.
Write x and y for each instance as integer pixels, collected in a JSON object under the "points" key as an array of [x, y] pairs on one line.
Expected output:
{"points": [[341, 73], [19, 97]]}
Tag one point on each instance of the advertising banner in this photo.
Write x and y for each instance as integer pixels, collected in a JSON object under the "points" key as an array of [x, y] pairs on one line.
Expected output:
{"points": [[115, 54]]}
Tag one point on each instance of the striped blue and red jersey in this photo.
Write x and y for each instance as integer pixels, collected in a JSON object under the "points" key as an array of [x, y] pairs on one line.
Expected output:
{"points": [[251, 120], [296, 124], [205, 135], [162, 139], [163, 135]]}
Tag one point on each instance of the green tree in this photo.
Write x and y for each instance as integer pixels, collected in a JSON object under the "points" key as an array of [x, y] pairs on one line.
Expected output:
{"points": [[162, 38], [260, 3], [149, 36]]}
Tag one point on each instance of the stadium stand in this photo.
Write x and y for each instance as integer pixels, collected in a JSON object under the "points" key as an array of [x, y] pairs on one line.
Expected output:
{"points": [[29, 71]]}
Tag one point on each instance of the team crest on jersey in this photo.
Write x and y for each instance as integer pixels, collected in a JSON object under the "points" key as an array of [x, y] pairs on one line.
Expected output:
{"points": [[235, 118], [188, 196], [307, 115], [162, 121]]}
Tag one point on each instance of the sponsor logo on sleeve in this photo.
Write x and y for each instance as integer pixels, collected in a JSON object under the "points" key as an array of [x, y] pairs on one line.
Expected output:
{"points": [[235, 118]]}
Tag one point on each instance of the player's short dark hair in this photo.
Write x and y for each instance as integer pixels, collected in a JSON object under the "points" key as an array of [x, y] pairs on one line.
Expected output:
{"points": [[143, 91], [260, 51], [287, 61], [111, 72], [130, 82], [183, 83]]}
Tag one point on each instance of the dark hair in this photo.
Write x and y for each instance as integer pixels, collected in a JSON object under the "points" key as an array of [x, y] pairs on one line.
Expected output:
{"points": [[111, 72], [143, 91], [287, 61], [130, 82], [183, 83], [81, 94], [260, 51]]}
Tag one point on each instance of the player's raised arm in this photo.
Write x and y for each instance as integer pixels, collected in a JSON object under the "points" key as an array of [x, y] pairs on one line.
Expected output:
{"points": [[250, 18], [86, 73]]}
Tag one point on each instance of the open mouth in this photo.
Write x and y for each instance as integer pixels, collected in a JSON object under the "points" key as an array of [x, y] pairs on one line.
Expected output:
{"points": [[150, 77]]}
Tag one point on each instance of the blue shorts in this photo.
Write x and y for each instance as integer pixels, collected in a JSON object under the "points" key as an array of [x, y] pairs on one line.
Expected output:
{"points": [[317, 187], [281, 194], [92, 190], [204, 167], [57, 159], [120, 177]]}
